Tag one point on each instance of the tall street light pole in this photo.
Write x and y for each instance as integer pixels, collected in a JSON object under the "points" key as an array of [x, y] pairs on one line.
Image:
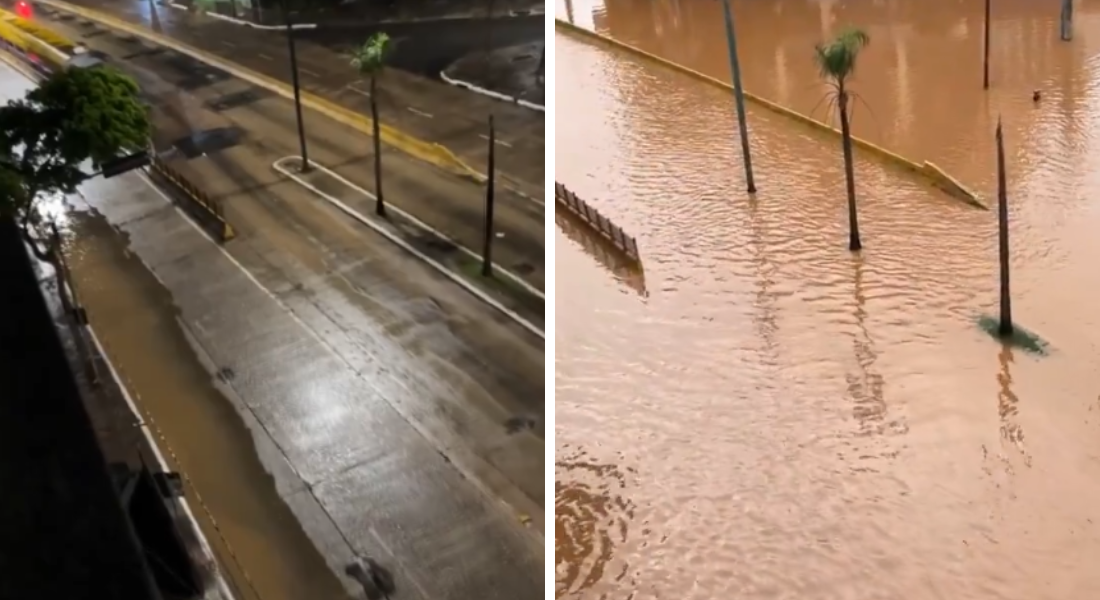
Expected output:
{"points": [[985, 61], [739, 95], [297, 86], [487, 248]]}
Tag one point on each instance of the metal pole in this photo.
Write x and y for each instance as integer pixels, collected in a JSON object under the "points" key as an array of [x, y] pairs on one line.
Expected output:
{"points": [[487, 249], [297, 88], [1005, 328], [985, 63], [739, 95], [1067, 20]]}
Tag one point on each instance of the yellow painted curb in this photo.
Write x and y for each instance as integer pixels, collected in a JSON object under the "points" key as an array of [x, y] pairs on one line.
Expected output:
{"points": [[46, 35], [934, 174], [14, 30], [429, 152]]}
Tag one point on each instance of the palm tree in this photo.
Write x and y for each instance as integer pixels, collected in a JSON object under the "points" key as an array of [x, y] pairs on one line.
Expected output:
{"points": [[370, 60], [837, 62]]}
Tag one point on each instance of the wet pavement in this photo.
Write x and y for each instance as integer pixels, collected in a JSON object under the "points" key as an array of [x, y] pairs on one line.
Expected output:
{"points": [[516, 71], [265, 131], [426, 108], [813, 423], [321, 388]]}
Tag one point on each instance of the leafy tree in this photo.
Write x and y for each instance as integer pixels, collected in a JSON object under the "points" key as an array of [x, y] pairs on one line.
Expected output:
{"points": [[75, 117], [837, 62], [370, 60]]}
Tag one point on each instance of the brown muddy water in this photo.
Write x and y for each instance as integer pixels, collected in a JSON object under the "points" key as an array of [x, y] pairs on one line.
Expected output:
{"points": [[777, 418], [258, 541]]}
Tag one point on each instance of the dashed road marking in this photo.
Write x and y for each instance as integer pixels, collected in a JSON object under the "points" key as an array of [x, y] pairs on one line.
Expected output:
{"points": [[501, 142], [264, 56], [419, 112]]}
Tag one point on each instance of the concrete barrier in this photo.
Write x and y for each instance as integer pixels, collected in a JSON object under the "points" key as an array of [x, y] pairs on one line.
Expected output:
{"points": [[933, 174], [429, 152]]}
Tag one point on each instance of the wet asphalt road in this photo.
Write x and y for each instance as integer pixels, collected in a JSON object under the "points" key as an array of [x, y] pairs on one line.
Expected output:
{"points": [[428, 109], [449, 204], [354, 368]]}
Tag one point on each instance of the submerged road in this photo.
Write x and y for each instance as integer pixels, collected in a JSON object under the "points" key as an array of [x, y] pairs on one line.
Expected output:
{"points": [[818, 424], [326, 394]]}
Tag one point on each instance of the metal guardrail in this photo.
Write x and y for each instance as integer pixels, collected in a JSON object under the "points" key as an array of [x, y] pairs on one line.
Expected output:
{"points": [[598, 223], [211, 208]]}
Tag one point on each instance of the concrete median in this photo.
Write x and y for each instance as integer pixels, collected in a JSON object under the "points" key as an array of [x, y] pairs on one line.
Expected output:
{"points": [[429, 152], [935, 175]]}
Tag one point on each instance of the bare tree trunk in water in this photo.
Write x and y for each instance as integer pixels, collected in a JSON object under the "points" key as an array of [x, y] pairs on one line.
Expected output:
{"points": [[854, 243], [380, 206], [1005, 328]]}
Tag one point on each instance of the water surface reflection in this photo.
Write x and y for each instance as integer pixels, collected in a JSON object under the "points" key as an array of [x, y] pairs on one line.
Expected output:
{"points": [[805, 423]]}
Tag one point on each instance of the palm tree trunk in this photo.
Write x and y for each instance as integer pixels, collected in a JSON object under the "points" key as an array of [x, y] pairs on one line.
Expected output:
{"points": [[854, 243], [1005, 328], [380, 206]]}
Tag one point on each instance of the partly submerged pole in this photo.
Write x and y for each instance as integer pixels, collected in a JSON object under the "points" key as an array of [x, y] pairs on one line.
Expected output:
{"points": [[1067, 20], [985, 61], [1005, 328], [739, 95]]}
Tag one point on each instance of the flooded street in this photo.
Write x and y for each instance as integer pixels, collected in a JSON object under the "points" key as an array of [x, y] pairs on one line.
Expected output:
{"points": [[777, 418]]}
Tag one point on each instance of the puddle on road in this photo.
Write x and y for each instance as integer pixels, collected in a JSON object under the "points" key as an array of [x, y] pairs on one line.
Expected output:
{"points": [[136, 321]]}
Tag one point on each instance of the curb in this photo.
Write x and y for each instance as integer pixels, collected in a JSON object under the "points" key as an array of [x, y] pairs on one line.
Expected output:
{"points": [[480, 295], [243, 22], [429, 152], [415, 221], [934, 174], [490, 93]]}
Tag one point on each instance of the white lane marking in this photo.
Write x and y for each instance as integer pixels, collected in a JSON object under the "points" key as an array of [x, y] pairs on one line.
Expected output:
{"points": [[226, 43], [458, 462], [264, 56], [308, 72], [480, 295], [497, 141], [163, 464], [352, 88], [419, 112]]}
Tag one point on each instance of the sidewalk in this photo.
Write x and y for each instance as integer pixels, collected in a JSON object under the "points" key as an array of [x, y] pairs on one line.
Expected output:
{"points": [[429, 110], [119, 432]]}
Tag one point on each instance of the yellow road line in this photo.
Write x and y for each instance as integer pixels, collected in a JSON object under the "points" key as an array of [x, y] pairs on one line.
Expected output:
{"points": [[429, 152]]}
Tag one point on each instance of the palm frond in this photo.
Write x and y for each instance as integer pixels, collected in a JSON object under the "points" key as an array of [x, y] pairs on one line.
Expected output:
{"points": [[370, 58], [836, 60]]}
